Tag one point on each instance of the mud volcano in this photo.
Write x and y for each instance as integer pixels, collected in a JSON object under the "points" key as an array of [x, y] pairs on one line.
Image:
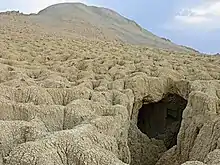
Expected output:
{"points": [[72, 92], [161, 120]]}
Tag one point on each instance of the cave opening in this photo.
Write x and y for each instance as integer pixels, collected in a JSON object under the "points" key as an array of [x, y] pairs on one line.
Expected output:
{"points": [[162, 120]]}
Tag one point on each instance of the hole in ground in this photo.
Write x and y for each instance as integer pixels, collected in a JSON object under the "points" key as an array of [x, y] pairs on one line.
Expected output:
{"points": [[161, 120]]}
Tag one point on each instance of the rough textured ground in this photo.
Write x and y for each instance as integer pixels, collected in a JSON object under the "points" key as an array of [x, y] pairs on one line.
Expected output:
{"points": [[67, 100]]}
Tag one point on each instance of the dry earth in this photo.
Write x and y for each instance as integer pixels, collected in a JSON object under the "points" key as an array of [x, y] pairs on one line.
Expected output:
{"points": [[69, 100]]}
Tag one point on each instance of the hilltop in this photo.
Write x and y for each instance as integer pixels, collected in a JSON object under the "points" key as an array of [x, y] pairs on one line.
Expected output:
{"points": [[99, 23]]}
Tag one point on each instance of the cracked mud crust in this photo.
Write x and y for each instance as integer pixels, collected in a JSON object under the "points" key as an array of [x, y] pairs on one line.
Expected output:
{"points": [[72, 100]]}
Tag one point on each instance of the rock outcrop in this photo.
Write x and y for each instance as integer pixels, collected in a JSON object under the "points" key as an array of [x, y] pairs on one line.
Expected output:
{"points": [[79, 101]]}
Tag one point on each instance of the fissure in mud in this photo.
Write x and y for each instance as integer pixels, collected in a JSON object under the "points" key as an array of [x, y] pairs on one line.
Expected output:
{"points": [[161, 120]]}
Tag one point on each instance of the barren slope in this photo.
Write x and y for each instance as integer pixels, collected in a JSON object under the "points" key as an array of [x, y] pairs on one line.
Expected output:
{"points": [[102, 23], [71, 100]]}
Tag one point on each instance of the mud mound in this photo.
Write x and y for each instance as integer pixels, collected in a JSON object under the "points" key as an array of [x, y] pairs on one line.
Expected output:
{"points": [[78, 101], [100, 23]]}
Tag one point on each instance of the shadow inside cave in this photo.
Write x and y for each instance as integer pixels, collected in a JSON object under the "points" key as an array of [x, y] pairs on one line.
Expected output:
{"points": [[162, 120]]}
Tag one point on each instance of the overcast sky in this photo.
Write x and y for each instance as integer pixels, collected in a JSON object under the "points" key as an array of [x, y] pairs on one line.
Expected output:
{"points": [[194, 23]]}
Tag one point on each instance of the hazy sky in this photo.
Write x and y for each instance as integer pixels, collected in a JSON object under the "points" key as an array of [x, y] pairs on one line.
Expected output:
{"points": [[195, 23]]}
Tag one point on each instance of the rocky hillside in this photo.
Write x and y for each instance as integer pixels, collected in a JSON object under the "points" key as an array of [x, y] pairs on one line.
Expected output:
{"points": [[101, 23], [74, 99]]}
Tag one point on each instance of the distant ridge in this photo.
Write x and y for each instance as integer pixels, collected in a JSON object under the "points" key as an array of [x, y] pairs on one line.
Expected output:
{"points": [[101, 23]]}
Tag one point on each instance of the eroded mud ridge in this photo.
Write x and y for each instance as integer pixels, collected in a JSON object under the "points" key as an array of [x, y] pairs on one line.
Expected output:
{"points": [[71, 101]]}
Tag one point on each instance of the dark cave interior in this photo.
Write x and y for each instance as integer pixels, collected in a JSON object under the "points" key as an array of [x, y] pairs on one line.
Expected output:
{"points": [[162, 120]]}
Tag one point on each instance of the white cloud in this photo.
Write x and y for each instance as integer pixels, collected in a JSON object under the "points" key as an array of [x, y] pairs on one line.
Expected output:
{"points": [[192, 19], [32, 6], [205, 15], [208, 9]]}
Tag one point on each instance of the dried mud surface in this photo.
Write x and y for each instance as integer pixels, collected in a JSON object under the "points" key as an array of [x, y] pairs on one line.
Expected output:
{"points": [[70, 100]]}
